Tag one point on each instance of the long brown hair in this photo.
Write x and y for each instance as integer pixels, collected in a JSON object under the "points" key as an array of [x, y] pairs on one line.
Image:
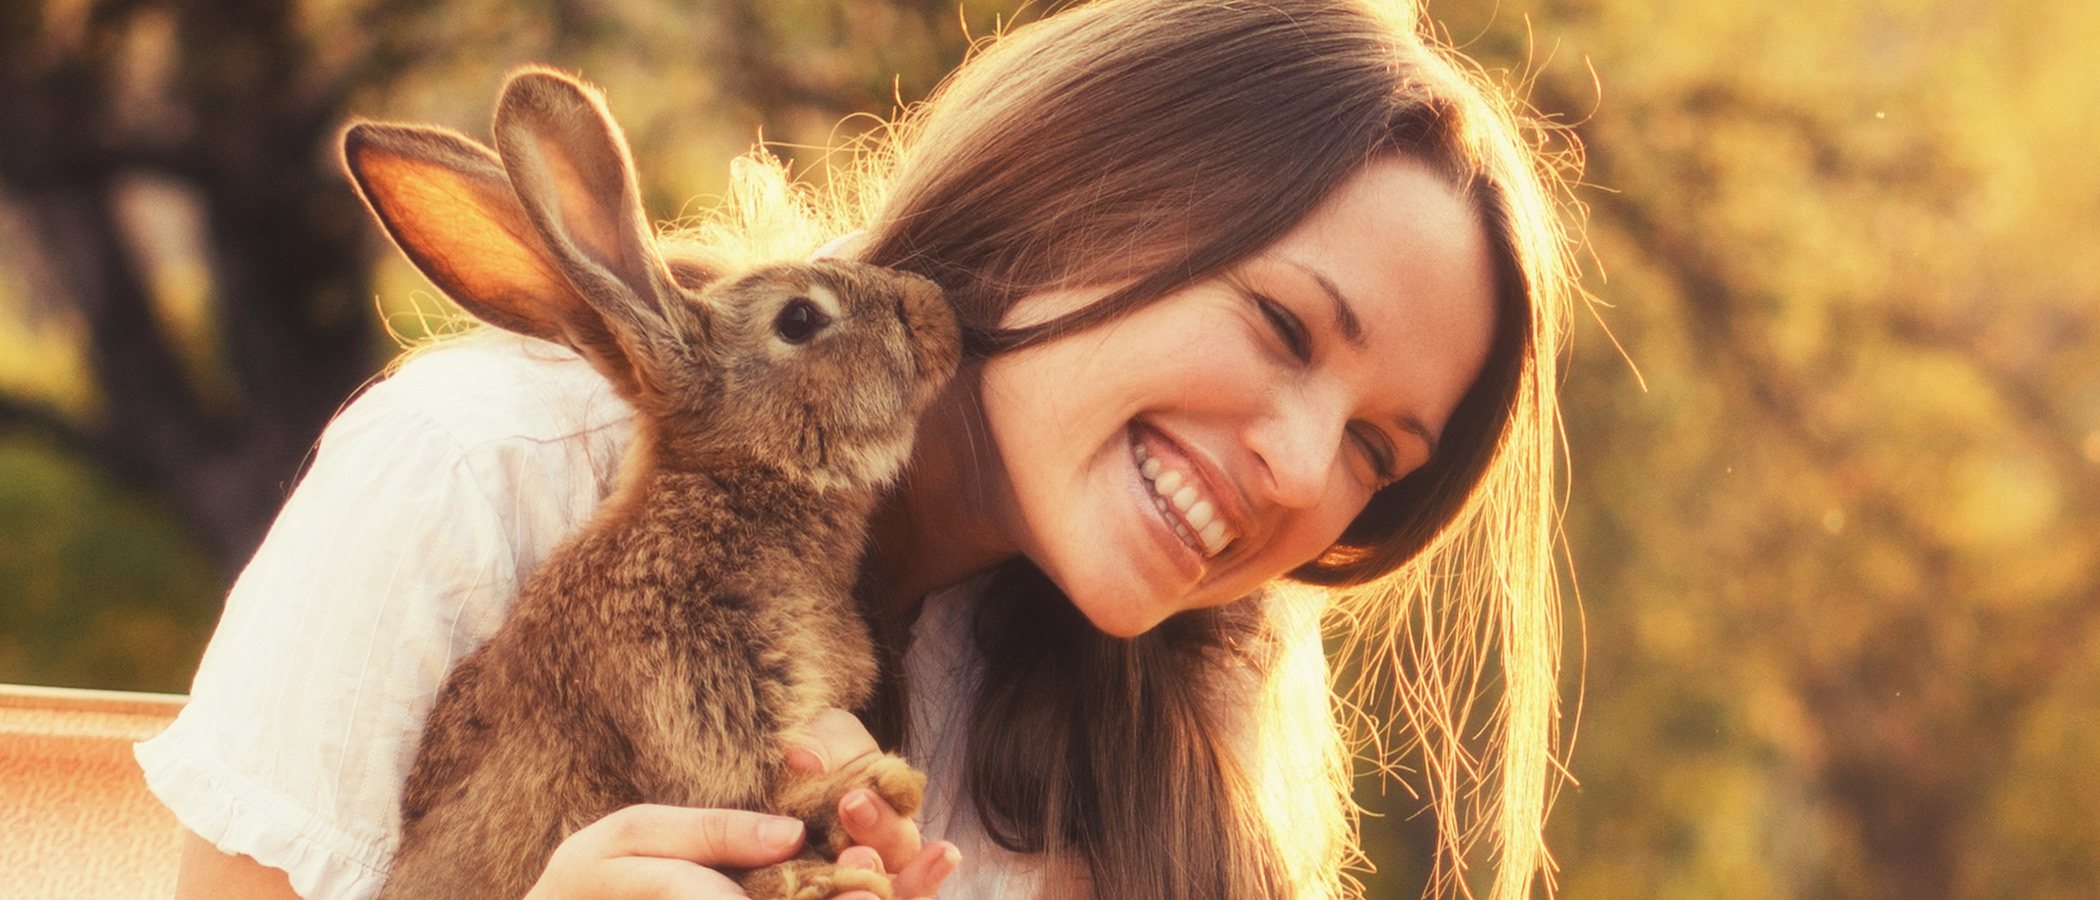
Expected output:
{"points": [[1151, 144]]}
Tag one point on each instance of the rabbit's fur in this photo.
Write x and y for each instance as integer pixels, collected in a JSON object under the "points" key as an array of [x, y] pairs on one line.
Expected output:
{"points": [[665, 652]]}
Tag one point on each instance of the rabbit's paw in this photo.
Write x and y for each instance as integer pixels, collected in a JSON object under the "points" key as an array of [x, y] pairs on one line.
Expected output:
{"points": [[815, 798], [810, 879]]}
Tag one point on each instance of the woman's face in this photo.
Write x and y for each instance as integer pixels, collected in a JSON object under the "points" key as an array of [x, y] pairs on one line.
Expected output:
{"points": [[1182, 455]]}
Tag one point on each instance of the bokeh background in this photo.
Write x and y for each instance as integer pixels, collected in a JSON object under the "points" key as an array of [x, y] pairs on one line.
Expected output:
{"points": [[1835, 422]]}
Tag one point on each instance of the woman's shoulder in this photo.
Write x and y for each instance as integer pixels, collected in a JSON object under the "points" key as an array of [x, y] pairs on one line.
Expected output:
{"points": [[494, 387], [517, 426]]}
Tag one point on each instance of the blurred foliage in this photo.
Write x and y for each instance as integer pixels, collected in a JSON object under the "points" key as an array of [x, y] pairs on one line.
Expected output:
{"points": [[1841, 557], [97, 587], [1836, 522]]}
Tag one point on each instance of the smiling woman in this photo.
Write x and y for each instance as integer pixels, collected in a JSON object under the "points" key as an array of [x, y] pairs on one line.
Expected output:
{"points": [[1256, 295], [1296, 262]]}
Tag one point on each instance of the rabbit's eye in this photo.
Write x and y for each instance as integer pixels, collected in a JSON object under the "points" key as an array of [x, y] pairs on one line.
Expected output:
{"points": [[799, 320]]}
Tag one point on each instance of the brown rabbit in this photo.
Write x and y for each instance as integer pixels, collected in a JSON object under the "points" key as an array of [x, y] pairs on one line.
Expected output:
{"points": [[664, 652]]}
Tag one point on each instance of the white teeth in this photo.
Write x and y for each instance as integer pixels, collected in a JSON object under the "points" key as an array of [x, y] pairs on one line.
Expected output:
{"points": [[1175, 493], [1199, 515], [1167, 483]]}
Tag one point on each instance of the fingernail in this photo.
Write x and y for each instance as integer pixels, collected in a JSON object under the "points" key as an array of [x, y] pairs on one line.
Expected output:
{"points": [[860, 808], [802, 759], [779, 832], [951, 857]]}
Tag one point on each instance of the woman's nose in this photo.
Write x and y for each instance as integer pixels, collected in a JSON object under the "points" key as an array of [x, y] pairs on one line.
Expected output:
{"points": [[1298, 446]]}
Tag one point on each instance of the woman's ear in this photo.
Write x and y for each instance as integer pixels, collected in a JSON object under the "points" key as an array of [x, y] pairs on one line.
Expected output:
{"points": [[447, 204], [570, 167]]}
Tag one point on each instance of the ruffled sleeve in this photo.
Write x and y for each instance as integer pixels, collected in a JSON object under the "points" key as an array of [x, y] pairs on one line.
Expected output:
{"points": [[395, 556]]}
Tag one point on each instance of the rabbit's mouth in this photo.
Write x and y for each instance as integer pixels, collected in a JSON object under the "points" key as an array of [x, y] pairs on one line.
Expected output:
{"points": [[1181, 492]]}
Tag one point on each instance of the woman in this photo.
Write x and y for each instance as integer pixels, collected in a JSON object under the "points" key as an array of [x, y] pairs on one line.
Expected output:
{"points": [[1259, 294]]}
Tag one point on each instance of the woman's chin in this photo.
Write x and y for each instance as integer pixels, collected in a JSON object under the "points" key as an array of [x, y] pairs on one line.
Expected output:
{"points": [[1121, 615], [1124, 627], [1126, 586]]}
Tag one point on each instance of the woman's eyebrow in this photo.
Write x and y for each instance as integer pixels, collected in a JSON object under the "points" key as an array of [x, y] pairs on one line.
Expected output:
{"points": [[1352, 328], [1345, 319]]}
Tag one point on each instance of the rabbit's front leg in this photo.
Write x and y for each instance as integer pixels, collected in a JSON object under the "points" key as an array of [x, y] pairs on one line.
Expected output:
{"points": [[814, 797], [812, 879]]}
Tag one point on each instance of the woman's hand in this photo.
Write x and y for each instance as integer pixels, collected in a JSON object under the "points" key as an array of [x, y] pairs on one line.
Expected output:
{"points": [[651, 850], [835, 739], [668, 851]]}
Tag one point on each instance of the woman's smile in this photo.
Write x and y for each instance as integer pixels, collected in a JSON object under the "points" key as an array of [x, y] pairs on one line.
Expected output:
{"points": [[1184, 501], [1187, 498]]}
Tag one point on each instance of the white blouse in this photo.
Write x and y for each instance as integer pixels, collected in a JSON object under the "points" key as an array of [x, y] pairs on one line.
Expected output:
{"points": [[431, 498]]}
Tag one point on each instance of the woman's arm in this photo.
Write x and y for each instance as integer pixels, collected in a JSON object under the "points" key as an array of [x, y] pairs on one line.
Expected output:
{"points": [[639, 851], [208, 874]]}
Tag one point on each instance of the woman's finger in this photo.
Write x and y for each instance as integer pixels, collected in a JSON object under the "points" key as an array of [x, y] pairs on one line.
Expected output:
{"points": [[835, 738], [922, 876], [649, 876], [861, 858], [710, 837], [871, 822]]}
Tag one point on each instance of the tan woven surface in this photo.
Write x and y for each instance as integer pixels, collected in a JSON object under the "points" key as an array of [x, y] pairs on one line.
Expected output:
{"points": [[75, 818]]}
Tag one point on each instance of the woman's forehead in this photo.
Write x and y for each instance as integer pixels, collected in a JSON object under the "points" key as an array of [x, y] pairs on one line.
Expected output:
{"points": [[1396, 226], [1398, 264]]}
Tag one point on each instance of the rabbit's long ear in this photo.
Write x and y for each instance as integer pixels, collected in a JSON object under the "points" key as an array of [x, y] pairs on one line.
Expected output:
{"points": [[574, 177], [447, 203]]}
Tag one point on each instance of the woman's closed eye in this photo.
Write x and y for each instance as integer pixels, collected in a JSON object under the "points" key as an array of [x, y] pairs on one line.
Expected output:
{"points": [[1288, 327], [1377, 448]]}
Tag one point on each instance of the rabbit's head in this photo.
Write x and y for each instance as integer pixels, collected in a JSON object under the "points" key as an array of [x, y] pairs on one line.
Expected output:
{"points": [[817, 368], [821, 367]]}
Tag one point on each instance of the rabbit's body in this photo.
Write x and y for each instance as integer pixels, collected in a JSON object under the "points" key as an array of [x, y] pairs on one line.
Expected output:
{"points": [[665, 653], [657, 657]]}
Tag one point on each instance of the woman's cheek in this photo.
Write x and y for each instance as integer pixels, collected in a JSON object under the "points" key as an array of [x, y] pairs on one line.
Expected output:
{"points": [[1317, 530]]}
